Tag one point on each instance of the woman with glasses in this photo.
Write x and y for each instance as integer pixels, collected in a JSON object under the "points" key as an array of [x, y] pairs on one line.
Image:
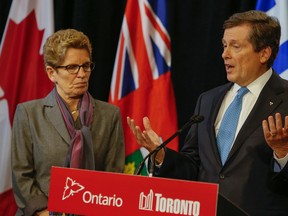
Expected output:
{"points": [[66, 128]]}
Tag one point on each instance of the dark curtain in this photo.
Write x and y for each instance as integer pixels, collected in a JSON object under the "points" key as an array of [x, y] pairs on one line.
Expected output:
{"points": [[196, 32]]}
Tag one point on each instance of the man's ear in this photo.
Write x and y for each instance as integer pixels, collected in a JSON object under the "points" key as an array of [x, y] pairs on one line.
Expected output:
{"points": [[51, 73], [265, 54]]}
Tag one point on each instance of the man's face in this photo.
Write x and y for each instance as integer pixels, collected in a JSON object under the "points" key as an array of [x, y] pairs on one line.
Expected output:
{"points": [[243, 65]]}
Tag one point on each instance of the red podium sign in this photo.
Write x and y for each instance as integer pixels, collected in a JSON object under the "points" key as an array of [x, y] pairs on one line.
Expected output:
{"points": [[87, 192]]}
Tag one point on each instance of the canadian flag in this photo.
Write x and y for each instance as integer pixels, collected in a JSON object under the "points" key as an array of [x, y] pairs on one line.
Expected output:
{"points": [[23, 77]]}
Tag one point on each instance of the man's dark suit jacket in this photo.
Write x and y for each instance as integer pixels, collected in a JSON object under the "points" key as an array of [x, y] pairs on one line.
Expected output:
{"points": [[247, 178]]}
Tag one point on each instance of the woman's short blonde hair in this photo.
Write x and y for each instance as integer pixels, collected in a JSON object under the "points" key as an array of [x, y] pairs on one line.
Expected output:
{"points": [[56, 45]]}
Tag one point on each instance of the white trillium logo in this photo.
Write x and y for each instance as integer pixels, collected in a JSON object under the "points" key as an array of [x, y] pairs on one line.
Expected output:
{"points": [[71, 188]]}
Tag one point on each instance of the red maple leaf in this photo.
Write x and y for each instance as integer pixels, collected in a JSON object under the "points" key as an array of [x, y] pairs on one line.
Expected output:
{"points": [[23, 76]]}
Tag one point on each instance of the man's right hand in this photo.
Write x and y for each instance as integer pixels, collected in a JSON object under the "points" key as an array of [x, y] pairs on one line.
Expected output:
{"points": [[146, 138]]}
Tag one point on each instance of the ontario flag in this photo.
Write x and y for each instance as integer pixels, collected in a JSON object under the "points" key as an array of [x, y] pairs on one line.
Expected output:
{"points": [[141, 81], [22, 76], [279, 9]]}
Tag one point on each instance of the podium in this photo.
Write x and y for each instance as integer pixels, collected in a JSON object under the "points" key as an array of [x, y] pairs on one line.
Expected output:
{"points": [[87, 192]]}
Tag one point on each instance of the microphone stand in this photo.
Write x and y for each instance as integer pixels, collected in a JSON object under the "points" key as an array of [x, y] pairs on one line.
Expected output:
{"points": [[194, 119]]}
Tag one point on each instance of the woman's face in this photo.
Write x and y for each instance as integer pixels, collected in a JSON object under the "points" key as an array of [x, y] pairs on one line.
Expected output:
{"points": [[69, 85]]}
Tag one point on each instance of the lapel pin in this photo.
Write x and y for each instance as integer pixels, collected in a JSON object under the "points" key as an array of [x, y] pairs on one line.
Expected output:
{"points": [[271, 103]]}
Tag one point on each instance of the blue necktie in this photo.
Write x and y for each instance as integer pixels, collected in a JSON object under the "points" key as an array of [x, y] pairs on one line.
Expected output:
{"points": [[229, 124]]}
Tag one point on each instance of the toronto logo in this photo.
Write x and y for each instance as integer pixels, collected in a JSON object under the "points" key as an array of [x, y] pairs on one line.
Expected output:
{"points": [[159, 203], [71, 187], [146, 201]]}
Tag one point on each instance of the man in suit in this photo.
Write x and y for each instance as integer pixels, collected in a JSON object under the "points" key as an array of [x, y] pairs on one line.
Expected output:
{"points": [[254, 172]]}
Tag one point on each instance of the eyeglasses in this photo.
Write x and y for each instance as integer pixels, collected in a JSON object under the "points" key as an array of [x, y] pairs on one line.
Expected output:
{"points": [[74, 68]]}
